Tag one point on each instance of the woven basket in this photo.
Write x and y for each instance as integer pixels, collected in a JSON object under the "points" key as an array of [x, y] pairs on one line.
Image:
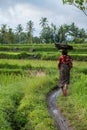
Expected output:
{"points": [[61, 46]]}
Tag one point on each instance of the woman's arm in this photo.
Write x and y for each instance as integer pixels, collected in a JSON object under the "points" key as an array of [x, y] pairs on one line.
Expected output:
{"points": [[59, 62]]}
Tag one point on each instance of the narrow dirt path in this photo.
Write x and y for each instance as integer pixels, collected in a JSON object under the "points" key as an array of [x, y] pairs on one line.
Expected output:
{"points": [[60, 122]]}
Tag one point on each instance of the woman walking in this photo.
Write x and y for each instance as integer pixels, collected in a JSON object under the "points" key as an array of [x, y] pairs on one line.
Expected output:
{"points": [[64, 66]]}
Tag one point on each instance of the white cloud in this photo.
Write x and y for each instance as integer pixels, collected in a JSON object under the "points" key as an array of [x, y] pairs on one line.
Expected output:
{"points": [[21, 12], [18, 14]]}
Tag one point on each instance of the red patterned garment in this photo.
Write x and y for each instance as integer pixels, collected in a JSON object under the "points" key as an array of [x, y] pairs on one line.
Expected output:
{"points": [[65, 59]]}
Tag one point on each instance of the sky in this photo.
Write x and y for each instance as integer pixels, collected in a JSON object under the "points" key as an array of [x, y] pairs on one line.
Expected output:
{"points": [[14, 12]]}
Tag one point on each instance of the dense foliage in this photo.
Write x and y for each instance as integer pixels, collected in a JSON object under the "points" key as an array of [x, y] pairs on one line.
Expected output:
{"points": [[49, 33]]}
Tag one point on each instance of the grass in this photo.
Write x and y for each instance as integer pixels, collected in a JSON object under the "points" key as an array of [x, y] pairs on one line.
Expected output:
{"points": [[24, 97], [23, 103], [26, 66], [7, 107], [35, 104], [35, 63], [23, 92], [40, 51]]}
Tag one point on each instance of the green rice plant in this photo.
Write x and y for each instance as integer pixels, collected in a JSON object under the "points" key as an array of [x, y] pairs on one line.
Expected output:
{"points": [[8, 87], [23, 102], [26, 67], [41, 51], [6, 65], [11, 71], [23, 97], [27, 64], [40, 55], [34, 103]]}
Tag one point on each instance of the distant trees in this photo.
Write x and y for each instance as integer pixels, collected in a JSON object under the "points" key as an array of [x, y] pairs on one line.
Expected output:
{"points": [[72, 30], [30, 30], [45, 29], [6, 35], [10, 36], [79, 34], [19, 30], [47, 32], [50, 33], [3, 32]]}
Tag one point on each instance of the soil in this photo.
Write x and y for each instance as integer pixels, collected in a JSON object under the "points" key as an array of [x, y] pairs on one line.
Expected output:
{"points": [[40, 73], [61, 123], [37, 73]]}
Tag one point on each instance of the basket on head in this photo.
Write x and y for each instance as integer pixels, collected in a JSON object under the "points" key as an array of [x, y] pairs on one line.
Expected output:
{"points": [[61, 46]]}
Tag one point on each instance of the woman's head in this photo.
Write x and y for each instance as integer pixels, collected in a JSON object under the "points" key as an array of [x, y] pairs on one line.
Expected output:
{"points": [[64, 52]]}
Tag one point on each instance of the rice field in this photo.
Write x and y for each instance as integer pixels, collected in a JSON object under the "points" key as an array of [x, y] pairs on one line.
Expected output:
{"points": [[25, 82]]}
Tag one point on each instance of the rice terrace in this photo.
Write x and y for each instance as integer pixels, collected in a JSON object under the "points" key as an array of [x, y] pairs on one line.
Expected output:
{"points": [[43, 65], [27, 77]]}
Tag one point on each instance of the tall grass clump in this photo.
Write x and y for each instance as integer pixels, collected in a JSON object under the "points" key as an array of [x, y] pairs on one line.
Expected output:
{"points": [[10, 86], [34, 104], [23, 102]]}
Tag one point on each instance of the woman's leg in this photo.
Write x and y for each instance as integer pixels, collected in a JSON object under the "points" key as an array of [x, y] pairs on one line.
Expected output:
{"points": [[64, 90]]}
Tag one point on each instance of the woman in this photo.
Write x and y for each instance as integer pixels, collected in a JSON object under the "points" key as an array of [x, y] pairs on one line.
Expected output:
{"points": [[64, 65]]}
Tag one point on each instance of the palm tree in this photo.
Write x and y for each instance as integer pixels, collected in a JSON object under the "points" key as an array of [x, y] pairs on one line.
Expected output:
{"points": [[61, 34], [30, 30], [54, 32], [4, 33], [11, 36], [19, 30], [54, 28], [43, 22]]}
